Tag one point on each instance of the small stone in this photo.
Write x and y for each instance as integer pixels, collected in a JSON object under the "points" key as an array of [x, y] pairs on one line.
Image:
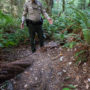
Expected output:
{"points": [[87, 86], [75, 49], [25, 86], [26, 72], [31, 69], [72, 57], [61, 58], [60, 48], [36, 78], [70, 63], [48, 54], [66, 78], [85, 64], [59, 73], [42, 70], [14, 82], [71, 50], [68, 50], [76, 85], [88, 79], [64, 71]]}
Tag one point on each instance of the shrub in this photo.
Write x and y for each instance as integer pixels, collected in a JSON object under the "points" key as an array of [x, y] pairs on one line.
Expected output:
{"points": [[10, 32]]}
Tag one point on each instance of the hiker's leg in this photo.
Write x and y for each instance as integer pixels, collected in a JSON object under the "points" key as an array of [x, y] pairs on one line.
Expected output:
{"points": [[32, 37], [40, 35]]}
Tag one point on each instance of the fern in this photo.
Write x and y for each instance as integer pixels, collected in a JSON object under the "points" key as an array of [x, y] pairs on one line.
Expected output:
{"points": [[10, 32], [81, 16], [86, 33]]}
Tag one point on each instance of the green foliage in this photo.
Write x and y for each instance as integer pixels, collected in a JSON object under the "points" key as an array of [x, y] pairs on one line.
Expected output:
{"points": [[60, 37], [66, 89], [70, 44], [80, 56], [5, 84], [69, 87], [10, 32], [59, 24], [74, 18], [86, 33], [81, 17]]}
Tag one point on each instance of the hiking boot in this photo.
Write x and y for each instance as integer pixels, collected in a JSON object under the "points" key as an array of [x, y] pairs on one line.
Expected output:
{"points": [[34, 50]]}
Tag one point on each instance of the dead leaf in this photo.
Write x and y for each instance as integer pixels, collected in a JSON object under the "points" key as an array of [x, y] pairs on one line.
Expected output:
{"points": [[77, 78], [87, 85]]}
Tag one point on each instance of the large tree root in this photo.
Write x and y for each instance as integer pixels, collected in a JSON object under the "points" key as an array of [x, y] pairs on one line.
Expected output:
{"points": [[10, 70]]}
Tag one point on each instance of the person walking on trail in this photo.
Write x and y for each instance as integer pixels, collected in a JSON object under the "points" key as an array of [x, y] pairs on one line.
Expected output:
{"points": [[33, 10]]}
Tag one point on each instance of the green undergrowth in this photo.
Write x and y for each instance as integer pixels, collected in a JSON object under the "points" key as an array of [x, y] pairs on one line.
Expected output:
{"points": [[71, 21], [10, 32]]}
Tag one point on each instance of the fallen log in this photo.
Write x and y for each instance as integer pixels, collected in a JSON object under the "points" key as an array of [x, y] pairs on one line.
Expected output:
{"points": [[10, 70]]}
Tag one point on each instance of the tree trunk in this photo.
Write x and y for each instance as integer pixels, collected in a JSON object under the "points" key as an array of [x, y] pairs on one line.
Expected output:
{"points": [[49, 6], [11, 6], [82, 4], [20, 6], [89, 4], [63, 5]]}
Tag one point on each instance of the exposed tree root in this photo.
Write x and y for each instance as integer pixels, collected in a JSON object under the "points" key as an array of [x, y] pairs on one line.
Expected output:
{"points": [[10, 70]]}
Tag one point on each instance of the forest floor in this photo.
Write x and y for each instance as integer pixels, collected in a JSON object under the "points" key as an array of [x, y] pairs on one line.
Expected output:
{"points": [[54, 68]]}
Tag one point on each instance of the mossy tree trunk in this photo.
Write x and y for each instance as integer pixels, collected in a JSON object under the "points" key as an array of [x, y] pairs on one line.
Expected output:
{"points": [[63, 5], [49, 4]]}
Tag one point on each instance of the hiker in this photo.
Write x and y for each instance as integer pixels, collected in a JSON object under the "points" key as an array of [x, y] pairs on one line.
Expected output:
{"points": [[34, 21]]}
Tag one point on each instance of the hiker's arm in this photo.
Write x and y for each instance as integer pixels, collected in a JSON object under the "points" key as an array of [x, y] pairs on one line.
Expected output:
{"points": [[25, 11], [46, 15]]}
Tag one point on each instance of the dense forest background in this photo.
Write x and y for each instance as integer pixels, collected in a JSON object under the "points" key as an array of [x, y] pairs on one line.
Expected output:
{"points": [[66, 14]]}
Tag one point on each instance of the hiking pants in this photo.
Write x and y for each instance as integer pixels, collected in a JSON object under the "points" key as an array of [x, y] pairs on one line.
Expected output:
{"points": [[35, 27]]}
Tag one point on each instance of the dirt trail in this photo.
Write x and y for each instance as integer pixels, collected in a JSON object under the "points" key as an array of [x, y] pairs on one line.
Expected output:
{"points": [[42, 74], [53, 69]]}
